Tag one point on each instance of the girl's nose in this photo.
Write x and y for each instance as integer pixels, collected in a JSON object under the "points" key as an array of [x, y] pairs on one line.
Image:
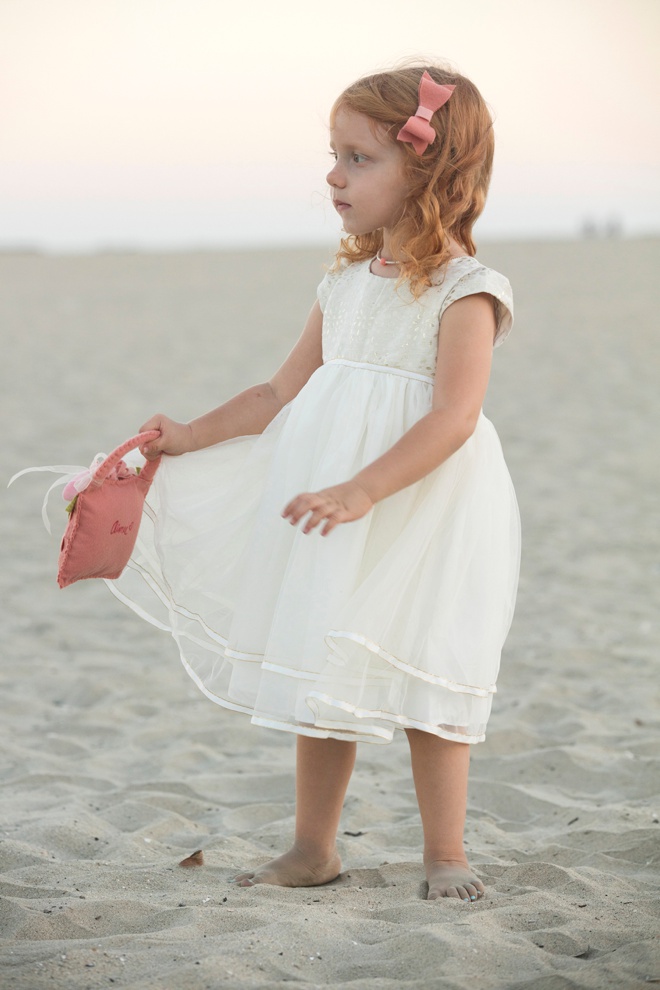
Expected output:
{"points": [[334, 176]]}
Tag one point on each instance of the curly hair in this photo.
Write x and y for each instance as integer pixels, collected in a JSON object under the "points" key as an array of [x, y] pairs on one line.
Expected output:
{"points": [[447, 184]]}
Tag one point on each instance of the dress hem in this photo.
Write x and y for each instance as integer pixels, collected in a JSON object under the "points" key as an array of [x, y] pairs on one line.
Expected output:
{"points": [[321, 729], [408, 668]]}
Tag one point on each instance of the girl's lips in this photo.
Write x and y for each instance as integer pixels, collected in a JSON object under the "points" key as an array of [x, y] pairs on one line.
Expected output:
{"points": [[339, 205]]}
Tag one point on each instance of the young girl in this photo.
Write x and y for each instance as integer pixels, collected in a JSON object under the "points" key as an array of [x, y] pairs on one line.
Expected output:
{"points": [[335, 551]]}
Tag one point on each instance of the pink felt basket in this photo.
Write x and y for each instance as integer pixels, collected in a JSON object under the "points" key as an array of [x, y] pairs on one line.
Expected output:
{"points": [[105, 520]]}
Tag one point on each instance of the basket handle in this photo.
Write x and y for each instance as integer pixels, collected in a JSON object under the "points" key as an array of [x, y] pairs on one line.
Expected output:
{"points": [[112, 459]]}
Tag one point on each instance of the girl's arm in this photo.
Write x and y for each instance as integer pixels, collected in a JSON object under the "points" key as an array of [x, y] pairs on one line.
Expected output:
{"points": [[250, 411], [465, 346]]}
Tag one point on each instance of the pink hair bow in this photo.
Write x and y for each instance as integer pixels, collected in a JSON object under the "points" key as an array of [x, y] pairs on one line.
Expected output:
{"points": [[417, 129]]}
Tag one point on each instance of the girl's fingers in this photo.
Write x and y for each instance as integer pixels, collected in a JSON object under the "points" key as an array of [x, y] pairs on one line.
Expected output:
{"points": [[290, 512], [297, 508], [152, 449], [155, 423], [316, 517], [333, 516], [290, 508], [330, 525], [319, 508]]}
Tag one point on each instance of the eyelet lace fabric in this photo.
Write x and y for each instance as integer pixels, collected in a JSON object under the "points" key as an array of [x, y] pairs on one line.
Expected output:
{"points": [[394, 621]]}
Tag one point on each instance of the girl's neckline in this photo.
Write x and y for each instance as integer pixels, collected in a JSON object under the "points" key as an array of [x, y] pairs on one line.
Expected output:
{"points": [[390, 278]]}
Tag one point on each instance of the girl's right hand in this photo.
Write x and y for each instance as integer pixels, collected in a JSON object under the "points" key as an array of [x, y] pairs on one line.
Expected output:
{"points": [[175, 438]]}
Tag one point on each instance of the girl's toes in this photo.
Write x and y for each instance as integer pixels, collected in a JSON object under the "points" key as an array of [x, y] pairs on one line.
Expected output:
{"points": [[471, 891], [242, 876]]}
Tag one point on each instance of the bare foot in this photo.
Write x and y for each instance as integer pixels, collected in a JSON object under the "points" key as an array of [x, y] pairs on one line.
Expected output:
{"points": [[453, 878], [293, 869]]}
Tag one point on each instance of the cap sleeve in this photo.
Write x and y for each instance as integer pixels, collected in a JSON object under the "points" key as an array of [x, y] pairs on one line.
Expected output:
{"points": [[325, 288], [486, 280]]}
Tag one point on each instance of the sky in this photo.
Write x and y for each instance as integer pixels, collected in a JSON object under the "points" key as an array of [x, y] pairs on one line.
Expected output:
{"points": [[170, 124]]}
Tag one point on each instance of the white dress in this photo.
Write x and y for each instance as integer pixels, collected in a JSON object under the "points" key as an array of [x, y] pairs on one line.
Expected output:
{"points": [[394, 620]]}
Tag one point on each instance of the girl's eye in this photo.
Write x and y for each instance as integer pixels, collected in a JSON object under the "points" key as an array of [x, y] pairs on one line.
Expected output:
{"points": [[355, 157]]}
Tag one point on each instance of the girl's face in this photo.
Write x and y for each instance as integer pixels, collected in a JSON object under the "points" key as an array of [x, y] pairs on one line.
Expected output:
{"points": [[367, 181]]}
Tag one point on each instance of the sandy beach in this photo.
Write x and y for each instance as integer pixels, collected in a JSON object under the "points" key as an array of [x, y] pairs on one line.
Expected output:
{"points": [[114, 767]]}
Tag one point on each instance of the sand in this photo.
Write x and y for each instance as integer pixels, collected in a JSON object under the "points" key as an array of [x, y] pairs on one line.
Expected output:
{"points": [[114, 767]]}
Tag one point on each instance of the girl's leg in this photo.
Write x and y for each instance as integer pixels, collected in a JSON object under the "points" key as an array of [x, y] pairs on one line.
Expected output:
{"points": [[323, 770], [440, 771]]}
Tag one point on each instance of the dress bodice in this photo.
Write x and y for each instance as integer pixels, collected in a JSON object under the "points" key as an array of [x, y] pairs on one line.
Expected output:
{"points": [[369, 318]]}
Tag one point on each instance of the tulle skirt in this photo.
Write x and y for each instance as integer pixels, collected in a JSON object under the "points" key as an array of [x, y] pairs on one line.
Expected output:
{"points": [[394, 620]]}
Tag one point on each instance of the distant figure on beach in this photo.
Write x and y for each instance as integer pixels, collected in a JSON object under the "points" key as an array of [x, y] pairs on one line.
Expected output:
{"points": [[336, 550], [612, 228]]}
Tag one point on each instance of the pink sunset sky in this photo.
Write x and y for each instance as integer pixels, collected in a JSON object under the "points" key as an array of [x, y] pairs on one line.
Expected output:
{"points": [[195, 123]]}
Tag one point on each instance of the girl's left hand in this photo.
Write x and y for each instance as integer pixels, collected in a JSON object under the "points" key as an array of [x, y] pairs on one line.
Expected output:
{"points": [[339, 504]]}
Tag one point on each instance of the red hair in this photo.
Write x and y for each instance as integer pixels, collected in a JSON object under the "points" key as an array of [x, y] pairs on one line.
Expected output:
{"points": [[447, 183]]}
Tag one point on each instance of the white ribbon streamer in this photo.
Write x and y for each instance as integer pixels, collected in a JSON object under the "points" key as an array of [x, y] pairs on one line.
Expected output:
{"points": [[70, 472]]}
